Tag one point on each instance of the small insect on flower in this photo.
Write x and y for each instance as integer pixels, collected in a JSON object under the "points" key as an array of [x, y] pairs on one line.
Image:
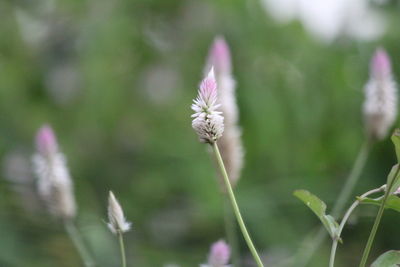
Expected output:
{"points": [[219, 255], [117, 222], [380, 106], [53, 179], [208, 122]]}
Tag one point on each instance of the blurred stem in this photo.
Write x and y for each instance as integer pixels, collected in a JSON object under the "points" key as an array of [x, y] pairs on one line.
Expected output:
{"points": [[230, 229], [377, 220], [122, 248], [352, 179], [344, 220], [77, 240], [236, 207], [304, 256]]}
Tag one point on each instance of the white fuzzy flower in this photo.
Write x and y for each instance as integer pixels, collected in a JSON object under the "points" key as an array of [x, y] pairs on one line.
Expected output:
{"points": [[117, 222], [380, 106], [230, 144], [53, 178], [208, 121]]}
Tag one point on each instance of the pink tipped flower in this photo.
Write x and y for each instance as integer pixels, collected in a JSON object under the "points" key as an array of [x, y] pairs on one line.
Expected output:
{"points": [[380, 106], [220, 56], [380, 64], [208, 88], [230, 144], [53, 179], [208, 122], [46, 142], [219, 255]]}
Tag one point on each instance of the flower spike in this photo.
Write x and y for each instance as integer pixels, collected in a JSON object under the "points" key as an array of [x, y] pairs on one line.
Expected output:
{"points": [[208, 121]]}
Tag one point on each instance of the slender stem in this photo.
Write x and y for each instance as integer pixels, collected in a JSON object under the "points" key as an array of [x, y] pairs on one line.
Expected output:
{"points": [[236, 207], [305, 254], [344, 220], [230, 229], [352, 179], [122, 248], [377, 221], [76, 238]]}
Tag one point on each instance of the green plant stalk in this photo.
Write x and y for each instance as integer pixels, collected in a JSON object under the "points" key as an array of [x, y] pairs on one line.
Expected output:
{"points": [[303, 257], [352, 179], [236, 207], [378, 218], [77, 240], [230, 229], [344, 220], [122, 248]]}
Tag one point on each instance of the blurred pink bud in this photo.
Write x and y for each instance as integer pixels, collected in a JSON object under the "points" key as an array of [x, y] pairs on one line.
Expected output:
{"points": [[219, 254], [220, 56], [46, 142], [380, 64]]}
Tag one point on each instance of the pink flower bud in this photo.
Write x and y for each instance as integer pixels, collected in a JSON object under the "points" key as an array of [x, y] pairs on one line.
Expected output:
{"points": [[219, 254], [208, 86], [46, 142], [220, 56], [380, 64]]}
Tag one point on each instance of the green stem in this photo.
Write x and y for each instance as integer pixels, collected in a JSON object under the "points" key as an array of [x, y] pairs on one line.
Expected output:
{"points": [[304, 256], [122, 248], [344, 220], [78, 243], [236, 207], [230, 229], [352, 179], [377, 221]]}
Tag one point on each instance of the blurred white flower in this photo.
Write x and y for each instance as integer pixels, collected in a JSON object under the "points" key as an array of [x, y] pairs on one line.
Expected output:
{"points": [[328, 19], [53, 178], [380, 106]]}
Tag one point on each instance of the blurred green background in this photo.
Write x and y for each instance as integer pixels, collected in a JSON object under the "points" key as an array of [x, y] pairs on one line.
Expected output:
{"points": [[116, 79]]}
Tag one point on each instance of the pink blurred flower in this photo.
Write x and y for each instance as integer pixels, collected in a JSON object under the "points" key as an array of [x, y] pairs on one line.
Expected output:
{"points": [[380, 64], [230, 144], [219, 255], [46, 142], [380, 106], [220, 56], [53, 179]]}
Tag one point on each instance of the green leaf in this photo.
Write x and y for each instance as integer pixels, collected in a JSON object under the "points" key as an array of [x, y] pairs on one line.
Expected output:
{"points": [[396, 141], [319, 209], [393, 179], [393, 202], [390, 258]]}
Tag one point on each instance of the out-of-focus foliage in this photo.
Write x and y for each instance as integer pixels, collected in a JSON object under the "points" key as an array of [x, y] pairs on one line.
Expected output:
{"points": [[116, 79]]}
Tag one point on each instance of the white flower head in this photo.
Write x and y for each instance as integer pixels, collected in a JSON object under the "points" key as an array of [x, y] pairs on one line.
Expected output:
{"points": [[219, 255], [230, 144], [208, 121], [53, 179], [380, 106], [117, 222]]}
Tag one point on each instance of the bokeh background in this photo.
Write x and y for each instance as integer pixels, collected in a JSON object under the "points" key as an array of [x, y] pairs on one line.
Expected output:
{"points": [[116, 79]]}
